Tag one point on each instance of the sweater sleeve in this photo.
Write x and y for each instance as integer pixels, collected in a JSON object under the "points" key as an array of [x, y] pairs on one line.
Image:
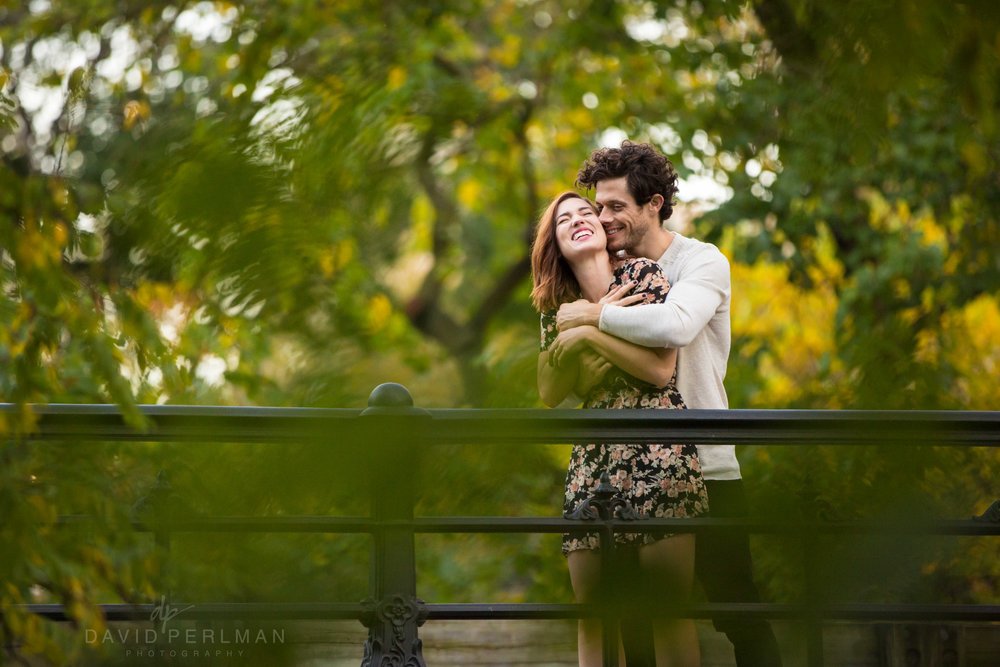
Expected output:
{"points": [[693, 300]]}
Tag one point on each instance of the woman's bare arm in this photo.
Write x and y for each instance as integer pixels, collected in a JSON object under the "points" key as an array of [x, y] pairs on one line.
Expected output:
{"points": [[652, 365], [555, 383]]}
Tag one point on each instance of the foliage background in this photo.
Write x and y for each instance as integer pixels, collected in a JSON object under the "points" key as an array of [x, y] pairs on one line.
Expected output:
{"points": [[288, 202]]}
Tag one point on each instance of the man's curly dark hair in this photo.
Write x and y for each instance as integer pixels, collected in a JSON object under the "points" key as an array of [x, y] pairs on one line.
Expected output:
{"points": [[648, 171]]}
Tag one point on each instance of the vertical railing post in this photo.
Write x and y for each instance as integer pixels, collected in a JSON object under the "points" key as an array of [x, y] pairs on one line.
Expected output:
{"points": [[604, 505], [815, 589], [393, 612], [814, 601], [156, 509]]}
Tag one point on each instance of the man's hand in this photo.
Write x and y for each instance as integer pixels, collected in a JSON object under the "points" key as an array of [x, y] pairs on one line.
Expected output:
{"points": [[568, 344], [578, 313], [581, 312]]}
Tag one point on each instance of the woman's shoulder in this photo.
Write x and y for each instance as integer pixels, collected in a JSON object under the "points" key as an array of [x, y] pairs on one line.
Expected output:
{"points": [[636, 266], [647, 275]]}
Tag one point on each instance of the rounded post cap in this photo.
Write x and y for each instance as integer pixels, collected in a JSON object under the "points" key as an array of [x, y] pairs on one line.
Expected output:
{"points": [[390, 395]]}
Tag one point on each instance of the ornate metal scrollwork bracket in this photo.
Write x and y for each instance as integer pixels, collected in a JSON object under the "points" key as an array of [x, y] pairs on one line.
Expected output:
{"points": [[392, 624], [991, 515], [604, 504]]}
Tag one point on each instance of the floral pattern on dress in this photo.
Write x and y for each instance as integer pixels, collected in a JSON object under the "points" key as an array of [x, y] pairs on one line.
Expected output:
{"points": [[658, 480]]}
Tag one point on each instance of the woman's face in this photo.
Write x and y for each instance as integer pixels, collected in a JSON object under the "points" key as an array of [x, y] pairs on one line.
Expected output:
{"points": [[578, 231]]}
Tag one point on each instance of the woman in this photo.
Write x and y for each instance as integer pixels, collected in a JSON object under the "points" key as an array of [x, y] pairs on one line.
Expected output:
{"points": [[570, 261]]}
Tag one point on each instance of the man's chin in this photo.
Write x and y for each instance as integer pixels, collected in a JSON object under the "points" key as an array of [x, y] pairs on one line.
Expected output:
{"points": [[615, 247]]}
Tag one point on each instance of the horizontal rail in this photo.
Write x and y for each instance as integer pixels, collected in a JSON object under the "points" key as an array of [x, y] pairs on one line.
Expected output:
{"points": [[507, 426], [392, 428], [491, 524], [539, 611]]}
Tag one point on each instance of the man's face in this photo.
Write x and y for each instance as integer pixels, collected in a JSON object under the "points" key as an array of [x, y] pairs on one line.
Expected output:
{"points": [[625, 222]]}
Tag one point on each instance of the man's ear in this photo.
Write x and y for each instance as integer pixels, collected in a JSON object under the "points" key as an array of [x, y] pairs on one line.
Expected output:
{"points": [[656, 201]]}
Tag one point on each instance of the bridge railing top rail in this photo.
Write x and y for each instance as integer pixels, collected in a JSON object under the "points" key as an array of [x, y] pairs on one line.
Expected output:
{"points": [[517, 425]]}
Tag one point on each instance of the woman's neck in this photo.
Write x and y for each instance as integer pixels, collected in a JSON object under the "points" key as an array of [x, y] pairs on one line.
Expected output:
{"points": [[594, 275]]}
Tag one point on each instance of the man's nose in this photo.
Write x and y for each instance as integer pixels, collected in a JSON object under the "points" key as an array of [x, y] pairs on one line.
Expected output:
{"points": [[605, 215]]}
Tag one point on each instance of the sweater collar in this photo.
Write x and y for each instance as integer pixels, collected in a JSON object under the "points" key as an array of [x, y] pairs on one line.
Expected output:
{"points": [[673, 250]]}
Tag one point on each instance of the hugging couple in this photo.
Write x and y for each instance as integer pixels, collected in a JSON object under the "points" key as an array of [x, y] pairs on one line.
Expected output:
{"points": [[636, 316]]}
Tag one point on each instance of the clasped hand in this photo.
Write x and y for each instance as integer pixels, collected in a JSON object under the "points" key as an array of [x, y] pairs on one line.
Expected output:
{"points": [[568, 344], [581, 312]]}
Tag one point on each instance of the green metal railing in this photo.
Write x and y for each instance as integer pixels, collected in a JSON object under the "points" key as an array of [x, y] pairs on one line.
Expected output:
{"points": [[395, 434]]}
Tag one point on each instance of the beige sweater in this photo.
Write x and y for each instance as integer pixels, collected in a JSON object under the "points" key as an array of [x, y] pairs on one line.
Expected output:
{"points": [[695, 319]]}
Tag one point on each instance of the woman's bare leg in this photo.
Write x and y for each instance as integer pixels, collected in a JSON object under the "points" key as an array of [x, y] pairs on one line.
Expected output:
{"points": [[585, 573], [668, 566]]}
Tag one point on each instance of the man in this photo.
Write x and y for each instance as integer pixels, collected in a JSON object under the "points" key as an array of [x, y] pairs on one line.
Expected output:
{"points": [[635, 188]]}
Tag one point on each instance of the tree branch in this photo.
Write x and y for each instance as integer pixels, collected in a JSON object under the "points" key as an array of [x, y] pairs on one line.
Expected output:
{"points": [[424, 310], [520, 269], [500, 294]]}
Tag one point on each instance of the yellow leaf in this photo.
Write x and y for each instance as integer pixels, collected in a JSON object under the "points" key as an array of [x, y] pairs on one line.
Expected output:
{"points": [[500, 94], [469, 192], [326, 262], [927, 299], [345, 253], [932, 233], [61, 234], [903, 210], [928, 347], [134, 112], [396, 78], [379, 312], [566, 138], [508, 53], [972, 333]]}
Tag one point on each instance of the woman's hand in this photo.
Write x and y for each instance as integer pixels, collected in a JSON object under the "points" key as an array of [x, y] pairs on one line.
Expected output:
{"points": [[593, 368], [568, 344], [616, 297]]}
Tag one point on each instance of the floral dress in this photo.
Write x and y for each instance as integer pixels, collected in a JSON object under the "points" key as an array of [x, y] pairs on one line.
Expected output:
{"points": [[657, 480]]}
